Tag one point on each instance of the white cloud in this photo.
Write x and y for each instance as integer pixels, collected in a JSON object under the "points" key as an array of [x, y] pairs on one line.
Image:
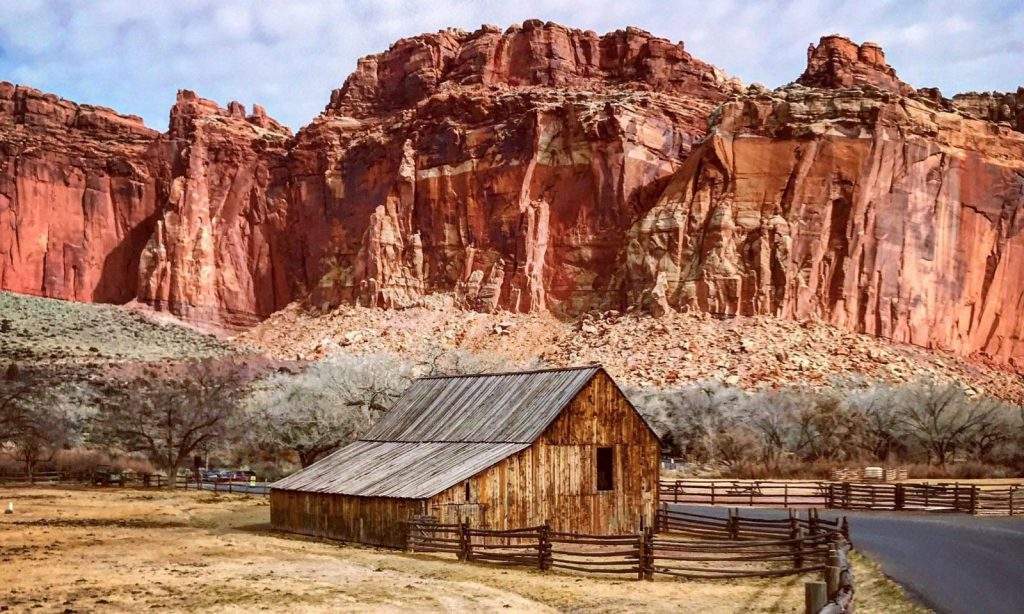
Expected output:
{"points": [[289, 54]]}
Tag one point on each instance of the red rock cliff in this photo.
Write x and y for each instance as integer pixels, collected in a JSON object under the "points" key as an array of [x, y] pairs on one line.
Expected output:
{"points": [[77, 200], [504, 167], [876, 212], [541, 168], [220, 250]]}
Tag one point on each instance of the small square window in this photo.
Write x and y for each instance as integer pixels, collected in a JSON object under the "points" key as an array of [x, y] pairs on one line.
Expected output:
{"points": [[605, 469]]}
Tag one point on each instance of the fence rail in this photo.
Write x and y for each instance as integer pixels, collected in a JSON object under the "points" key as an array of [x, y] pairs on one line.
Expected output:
{"points": [[954, 497], [680, 544], [136, 480]]}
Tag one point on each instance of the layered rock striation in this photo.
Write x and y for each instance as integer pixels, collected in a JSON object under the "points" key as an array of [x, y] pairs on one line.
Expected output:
{"points": [[220, 249], [873, 211], [541, 168]]}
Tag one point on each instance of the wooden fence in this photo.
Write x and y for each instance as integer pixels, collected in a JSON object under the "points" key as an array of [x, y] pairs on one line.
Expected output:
{"points": [[136, 480], [951, 497], [680, 545]]}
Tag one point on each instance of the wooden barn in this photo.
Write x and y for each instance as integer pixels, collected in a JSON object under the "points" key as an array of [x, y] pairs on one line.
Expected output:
{"points": [[500, 451]]}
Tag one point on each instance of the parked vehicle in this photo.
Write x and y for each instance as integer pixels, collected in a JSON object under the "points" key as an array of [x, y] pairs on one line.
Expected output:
{"points": [[105, 474]]}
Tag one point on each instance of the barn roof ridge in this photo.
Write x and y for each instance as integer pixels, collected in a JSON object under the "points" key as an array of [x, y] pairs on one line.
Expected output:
{"points": [[526, 372]]}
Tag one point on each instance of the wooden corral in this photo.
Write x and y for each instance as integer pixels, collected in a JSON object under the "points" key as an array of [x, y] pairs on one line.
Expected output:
{"points": [[498, 451]]}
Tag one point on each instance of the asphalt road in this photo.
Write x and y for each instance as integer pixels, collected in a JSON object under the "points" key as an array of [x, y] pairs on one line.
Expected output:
{"points": [[952, 563]]}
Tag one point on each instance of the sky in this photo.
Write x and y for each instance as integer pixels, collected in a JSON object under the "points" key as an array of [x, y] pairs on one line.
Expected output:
{"points": [[133, 55]]}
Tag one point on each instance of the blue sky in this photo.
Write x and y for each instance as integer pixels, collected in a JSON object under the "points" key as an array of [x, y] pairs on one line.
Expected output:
{"points": [[289, 55]]}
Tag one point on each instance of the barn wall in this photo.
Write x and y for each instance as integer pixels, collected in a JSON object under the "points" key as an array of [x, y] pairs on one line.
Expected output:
{"points": [[555, 478], [369, 520]]}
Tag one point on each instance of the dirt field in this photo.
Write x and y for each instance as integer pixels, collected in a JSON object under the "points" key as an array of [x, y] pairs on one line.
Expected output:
{"points": [[117, 550]]}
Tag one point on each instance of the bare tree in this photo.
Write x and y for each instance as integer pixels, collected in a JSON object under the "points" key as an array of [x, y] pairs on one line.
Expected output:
{"points": [[16, 391], [771, 416], [696, 420], [169, 416], [942, 419], [330, 403], [882, 430], [439, 361], [38, 417]]}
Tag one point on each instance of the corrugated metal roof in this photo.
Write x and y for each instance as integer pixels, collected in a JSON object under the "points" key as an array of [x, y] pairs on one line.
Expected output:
{"points": [[389, 469], [495, 407], [444, 430]]}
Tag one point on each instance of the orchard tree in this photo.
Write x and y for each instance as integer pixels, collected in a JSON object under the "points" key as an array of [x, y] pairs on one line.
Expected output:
{"points": [[698, 420], [330, 403], [439, 361], [39, 415], [943, 420], [170, 415]]}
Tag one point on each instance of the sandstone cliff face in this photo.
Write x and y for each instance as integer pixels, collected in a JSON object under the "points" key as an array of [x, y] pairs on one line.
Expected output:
{"points": [[503, 167], [873, 211], [94, 206], [219, 251], [76, 197], [541, 168]]}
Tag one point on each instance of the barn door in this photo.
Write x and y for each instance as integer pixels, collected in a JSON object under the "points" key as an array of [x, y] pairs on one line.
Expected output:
{"points": [[462, 506]]}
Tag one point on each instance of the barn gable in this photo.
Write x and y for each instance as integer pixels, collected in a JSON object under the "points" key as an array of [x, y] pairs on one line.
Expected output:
{"points": [[444, 430]]}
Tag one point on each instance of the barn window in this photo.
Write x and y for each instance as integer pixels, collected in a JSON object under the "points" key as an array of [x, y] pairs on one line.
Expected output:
{"points": [[605, 469], [468, 493]]}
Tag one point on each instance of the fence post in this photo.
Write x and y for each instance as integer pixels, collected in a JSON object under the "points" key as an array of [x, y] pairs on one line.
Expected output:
{"points": [[648, 563], [815, 597], [733, 524], [544, 547], [641, 556], [846, 495], [844, 528], [785, 494], [832, 573], [798, 549], [464, 548], [901, 496], [974, 499], [712, 493]]}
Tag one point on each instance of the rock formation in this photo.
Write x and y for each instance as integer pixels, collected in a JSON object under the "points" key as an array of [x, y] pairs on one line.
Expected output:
{"points": [[876, 212], [77, 200], [838, 62], [502, 166], [94, 206], [1005, 107], [219, 250], [541, 168]]}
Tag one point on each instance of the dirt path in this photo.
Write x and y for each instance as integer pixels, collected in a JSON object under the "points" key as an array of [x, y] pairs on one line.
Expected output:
{"points": [[120, 550]]}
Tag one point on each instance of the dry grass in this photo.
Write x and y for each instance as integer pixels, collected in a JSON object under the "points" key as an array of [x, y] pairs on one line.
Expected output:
{"points": [[120, 550]]}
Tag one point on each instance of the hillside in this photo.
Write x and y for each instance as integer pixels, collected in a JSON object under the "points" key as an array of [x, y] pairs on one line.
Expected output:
{"points": [[39, 331], [751, 352]]}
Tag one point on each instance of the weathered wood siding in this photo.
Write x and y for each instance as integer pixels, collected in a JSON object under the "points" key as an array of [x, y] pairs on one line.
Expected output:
{"points": [[369, 520], [555, 479]]}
